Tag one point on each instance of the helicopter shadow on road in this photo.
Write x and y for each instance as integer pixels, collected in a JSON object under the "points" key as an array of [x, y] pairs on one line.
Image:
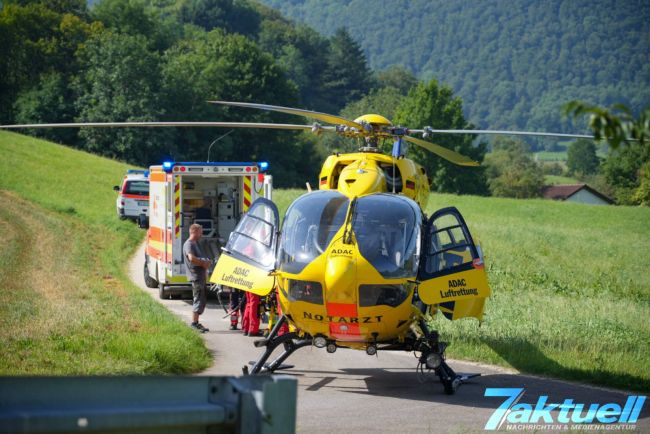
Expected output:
{"points": [[403, 383]]}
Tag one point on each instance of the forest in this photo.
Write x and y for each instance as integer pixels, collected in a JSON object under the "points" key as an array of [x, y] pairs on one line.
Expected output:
{"points": [[162, 60], [119, 60], [514, 63]]}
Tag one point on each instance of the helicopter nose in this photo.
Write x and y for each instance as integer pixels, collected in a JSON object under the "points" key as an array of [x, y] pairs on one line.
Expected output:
{"points": [[340, 277]]}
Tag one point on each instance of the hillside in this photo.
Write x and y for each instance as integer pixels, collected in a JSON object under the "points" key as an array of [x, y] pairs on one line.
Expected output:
{"points": [[66, 305], [512, 63], [570, 288]]}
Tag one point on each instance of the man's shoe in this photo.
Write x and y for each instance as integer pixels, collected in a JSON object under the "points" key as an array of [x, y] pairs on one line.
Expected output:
{"points": [[233, 327], [203, 328], [198, 327], [245, 333], [256, 334]]}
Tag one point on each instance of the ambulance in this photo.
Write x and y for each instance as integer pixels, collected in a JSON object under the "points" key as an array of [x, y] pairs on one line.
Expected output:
{"points": [[214, 195], [133, 196]]}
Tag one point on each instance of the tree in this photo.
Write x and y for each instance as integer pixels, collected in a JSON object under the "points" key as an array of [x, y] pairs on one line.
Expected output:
{"points": [[397, 77], [51, 100], [38, 38], [135, 17], [511, 172], [347, 76], [629, 137], [121, 82], [616, 125], [582, 158], [622, 170], [221, 66], [233, 16], [642, 193], [429, 104]]}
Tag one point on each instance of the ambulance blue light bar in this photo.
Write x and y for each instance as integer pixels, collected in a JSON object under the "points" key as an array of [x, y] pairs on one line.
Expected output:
{"points": [[263, 165], [167, 166]]}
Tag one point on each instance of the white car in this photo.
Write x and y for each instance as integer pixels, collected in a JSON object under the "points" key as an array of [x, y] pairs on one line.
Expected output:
{"points": [[133, 197]]}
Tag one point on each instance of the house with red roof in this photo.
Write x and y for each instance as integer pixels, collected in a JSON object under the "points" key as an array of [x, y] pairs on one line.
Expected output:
{"points": [[579, 193]]}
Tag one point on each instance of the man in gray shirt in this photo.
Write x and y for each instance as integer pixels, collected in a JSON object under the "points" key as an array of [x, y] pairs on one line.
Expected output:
{"points": [[196, 269]]}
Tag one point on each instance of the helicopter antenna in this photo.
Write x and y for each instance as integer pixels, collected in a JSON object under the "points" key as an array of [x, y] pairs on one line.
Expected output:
{"points": [[215, 141]]}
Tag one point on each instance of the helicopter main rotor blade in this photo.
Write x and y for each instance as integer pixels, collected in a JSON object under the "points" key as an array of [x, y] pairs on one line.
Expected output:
{"points": [[503, 132], [146, 124], [330, 119], [447, 154]]}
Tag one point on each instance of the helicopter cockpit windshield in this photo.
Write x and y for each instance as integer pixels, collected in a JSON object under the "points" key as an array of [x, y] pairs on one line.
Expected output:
{"points": [[387, 229], [309, 226]]}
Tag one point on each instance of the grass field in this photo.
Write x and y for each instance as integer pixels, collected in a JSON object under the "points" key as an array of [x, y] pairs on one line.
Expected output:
{"points": [[571, 290], [67, 305], [549, 156]]}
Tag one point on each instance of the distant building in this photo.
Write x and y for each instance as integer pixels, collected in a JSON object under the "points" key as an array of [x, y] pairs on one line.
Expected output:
{"points": [[580, 193]]}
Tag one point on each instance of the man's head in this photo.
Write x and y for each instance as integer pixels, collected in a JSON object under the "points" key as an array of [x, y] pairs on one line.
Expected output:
{"points": [[196, 231]]}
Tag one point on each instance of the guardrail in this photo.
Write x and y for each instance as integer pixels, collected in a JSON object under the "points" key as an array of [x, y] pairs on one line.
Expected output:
{"points": [[251, 404]]}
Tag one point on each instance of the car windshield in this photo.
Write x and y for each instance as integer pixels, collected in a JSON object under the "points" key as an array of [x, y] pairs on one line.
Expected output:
{"points": [[387, 229], [137, 187], [309, 226]]}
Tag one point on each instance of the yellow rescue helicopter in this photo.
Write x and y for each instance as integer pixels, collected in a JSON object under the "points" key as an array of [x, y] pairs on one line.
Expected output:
{"points": [[356, 264]]}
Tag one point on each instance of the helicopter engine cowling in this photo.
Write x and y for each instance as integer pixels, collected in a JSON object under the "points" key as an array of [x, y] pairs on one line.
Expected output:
{"points": [[360, 178]]}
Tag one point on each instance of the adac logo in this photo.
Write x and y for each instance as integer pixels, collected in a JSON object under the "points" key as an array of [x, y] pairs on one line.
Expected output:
{"points": [[346, 252]]}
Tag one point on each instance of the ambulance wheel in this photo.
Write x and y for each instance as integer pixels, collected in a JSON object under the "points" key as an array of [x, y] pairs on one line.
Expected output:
{"points": [[162, 292], [148, 280]]}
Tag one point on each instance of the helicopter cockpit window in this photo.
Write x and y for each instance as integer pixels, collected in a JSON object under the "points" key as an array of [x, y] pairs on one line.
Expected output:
{"points": [[253, 236], [387, 229], [309, 226], [449, 245]]}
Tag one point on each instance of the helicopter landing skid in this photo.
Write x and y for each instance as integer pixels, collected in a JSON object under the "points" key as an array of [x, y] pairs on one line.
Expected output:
{"points": [[450, 380], [291, 343]]}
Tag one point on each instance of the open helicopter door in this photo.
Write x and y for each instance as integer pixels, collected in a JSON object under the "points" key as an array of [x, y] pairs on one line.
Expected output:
{"points": [[452, 274], [249, 256]]}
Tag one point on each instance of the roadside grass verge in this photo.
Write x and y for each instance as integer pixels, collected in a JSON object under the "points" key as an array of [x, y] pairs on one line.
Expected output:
{"points": [[570, 289], [67, 305]]}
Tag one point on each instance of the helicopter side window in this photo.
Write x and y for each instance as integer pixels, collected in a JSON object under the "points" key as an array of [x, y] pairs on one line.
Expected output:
{"points": [[309, 226], [253, 236], [387, 230], [450, 246]]}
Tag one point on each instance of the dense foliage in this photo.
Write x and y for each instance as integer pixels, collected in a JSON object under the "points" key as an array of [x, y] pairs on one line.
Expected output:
{"points": [[146, 60], [139, 60], [513, 63], [627, 167], [582, 158], [511, 171]]}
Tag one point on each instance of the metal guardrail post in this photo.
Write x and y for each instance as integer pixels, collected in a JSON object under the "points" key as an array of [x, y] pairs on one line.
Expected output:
{"points": [[255, 404]]}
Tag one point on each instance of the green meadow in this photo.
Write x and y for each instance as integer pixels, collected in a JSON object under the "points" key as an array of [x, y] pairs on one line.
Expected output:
{"points": [[67, 305]]}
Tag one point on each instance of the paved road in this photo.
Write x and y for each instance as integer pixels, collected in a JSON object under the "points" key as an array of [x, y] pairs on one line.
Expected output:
{"points": [[349, 391]]}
